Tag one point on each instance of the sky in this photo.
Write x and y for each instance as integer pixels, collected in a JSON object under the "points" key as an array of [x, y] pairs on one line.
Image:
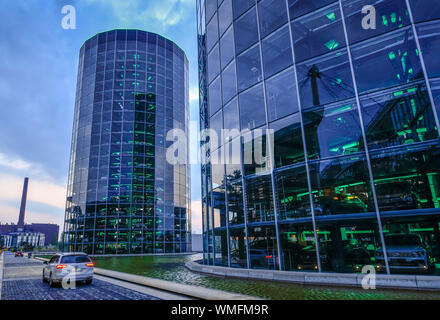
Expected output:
{"points": [[38, 74]]}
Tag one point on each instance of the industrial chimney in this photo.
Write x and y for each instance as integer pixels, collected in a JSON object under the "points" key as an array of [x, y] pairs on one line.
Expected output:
{"points": [[23, 205]]}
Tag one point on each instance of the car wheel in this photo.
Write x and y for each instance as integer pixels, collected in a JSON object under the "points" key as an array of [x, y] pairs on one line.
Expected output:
{"points": [[89, 281]]}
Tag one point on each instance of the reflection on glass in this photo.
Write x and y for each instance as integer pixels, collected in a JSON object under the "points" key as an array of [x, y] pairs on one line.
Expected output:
{"points": [[399, 116], [292, 193], [341, 186], [277, 53], [287, 141], [325, 80], [252, 110], [298, 247], [300, 7], [281, 95], [346, 246], [390, 15], [333, 130], [249, 68], [272, 14], [220, 248], [259, 200], [263, 248], [395, 55], [237, 243], [429, 37], [229, 85], [219, 207], [235, 203], [318, 33], [244, 29], [407, 178]]}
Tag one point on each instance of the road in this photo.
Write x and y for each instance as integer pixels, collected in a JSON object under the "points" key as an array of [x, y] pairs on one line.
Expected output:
{"points": [[21, 279]]}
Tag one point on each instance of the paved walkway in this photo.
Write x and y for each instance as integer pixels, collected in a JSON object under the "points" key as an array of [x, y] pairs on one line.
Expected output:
{"points": [[20, 279]]}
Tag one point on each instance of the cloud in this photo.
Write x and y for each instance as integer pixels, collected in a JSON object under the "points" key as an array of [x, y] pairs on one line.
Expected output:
{"points": [[40, 191], [156, 14], [193, 94], [196, 216]]}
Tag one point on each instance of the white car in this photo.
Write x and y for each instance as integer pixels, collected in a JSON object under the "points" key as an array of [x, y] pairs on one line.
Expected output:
{"points": [[69, 266]]}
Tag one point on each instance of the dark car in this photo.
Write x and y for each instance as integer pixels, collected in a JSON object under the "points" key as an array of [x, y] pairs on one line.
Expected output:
{"points": [[396, 196], [405, 252], [337, 204], [19, 253]]}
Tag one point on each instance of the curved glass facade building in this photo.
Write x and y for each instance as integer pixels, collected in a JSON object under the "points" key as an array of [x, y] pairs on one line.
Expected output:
{"points": [[123, 196], [335, 160]]}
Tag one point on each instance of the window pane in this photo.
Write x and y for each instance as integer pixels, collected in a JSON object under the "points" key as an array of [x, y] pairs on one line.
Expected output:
{"points": [[227, 48], [233, 159], [272, 14], [252, 110], [435, 88], [292, 193], [347, 246], [419, 236], [390, 15], [281, 95], [255, 152], [235, 203], [229, 84], [341, 186], [277, 53], [213, 64], [211, 7], [300, 7], [221, 248], [249, 68], [333, 130], [325, 80], [263, 248], [230, 112], [429, 37], [245, 29], [425, 10], [237, 238], [212, 33], [394, 55], [399, 116], [407, 178], [298, 247], [216, 124], [218, 169], [240, 6], [288, 146], [318, 33], [215, 99], [224, 16]]}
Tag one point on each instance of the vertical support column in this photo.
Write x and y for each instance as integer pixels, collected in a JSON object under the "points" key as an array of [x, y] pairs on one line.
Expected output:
{"points": [[306, 160], [370, 171]]}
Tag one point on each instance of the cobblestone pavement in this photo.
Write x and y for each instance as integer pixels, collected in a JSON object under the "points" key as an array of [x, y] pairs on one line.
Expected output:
{"points": [[22, 281]]}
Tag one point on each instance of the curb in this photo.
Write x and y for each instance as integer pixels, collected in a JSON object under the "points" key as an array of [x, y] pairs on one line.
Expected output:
{"points": [[411, 282]]}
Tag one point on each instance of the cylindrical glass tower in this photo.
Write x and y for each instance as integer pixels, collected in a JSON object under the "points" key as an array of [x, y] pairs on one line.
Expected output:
{"points": [[351, 173], [123, 196]]}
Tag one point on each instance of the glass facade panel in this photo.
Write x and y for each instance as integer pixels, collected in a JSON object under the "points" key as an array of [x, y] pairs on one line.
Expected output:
{"points": [[281, 95], [277, 53], [213, 64], [395, 55], [298, 247], [333, 130], [259, 200], [341, 186], [263, 248], [429, 37], [398, 117], [244, 29], [325, 80], [292, 193], [237, 242], [287, 141], [249, 68], [272, 15], [318, 33], [361, 137], [390, 15]]}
